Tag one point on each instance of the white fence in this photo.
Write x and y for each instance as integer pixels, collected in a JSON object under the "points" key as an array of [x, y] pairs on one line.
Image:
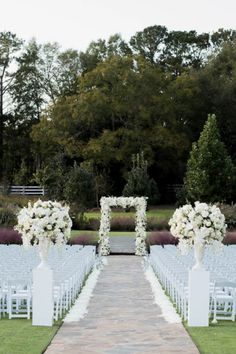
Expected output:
{"points": [[25, 190]]}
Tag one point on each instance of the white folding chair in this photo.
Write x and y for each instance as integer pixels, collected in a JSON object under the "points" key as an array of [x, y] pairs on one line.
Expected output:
{"points": [[223, 301]]}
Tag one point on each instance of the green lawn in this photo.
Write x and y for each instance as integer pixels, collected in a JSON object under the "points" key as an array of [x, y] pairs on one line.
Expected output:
{"points": [[75, 233], [219, 338], [160, 213], [18, 336]]}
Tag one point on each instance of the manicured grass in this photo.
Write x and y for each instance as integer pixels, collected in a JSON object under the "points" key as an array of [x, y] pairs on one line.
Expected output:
{"points": [[219, 338], [18, 336], [75, 233], [160, 213]]}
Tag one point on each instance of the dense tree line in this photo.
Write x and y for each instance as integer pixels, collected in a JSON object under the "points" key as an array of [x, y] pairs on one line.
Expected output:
{"points": [[61, 109]]}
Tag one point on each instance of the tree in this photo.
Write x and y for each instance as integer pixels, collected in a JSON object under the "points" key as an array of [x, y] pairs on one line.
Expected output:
{"points": [[217, 84], [210, 175], [139, 184], [121, 107], [101, 50], [9, 46], [184, 50], [149, 42], [26, 90], [79, 189], [59, 71]]}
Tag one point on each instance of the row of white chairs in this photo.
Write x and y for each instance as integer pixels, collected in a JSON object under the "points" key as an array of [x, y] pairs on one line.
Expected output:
{"points": [[172, 270], [70, 265]]}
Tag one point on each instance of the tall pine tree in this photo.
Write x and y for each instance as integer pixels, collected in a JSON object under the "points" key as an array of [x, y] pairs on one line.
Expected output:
{"points": [[210, 175]]}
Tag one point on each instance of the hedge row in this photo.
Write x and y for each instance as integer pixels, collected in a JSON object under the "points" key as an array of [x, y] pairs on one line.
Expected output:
{"points": [[9, 236]]}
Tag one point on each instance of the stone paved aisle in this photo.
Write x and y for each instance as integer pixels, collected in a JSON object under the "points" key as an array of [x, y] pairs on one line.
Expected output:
{"points": [[121, 244], [122, 318]]}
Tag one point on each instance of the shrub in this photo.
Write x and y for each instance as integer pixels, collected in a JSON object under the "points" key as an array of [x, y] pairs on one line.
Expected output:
{"points": [[229, 212], [154, 224], [93, 224], [17, 201], [9, 207], [80, 188], [118, 223], [122, 223], [161, 238], [10, 236], [84, 240], [7, 217], [80, 222]]}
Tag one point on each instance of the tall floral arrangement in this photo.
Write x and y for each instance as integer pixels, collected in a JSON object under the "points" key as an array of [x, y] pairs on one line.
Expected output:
{"points": [[44, 221], [140, 204], [201, 224]]}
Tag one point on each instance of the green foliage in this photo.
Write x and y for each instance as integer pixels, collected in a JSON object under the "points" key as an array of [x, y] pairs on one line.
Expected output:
{"points": [[217, 84], [79, 188], [9, 207], [41, 176], [9, 46], [229, 212], [110, 101], [55, 178], [21, 177], [139, 183], [210, 175], [7, 217]]}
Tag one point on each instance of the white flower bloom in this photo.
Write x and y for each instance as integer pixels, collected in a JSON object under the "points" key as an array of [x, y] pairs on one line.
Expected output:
{"points": [[202, 223], [44, 220]]}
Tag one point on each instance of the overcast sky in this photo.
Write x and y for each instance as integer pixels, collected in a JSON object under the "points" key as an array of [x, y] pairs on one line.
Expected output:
{"points": [[75, 23]]}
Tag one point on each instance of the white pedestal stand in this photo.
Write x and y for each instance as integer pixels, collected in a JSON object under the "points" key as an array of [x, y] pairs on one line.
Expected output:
{"points": [[198, 298], [42, 297], [42, 293]]}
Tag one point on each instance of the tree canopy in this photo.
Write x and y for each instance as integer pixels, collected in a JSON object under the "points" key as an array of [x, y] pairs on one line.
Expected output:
{"points": [[115, 99]]}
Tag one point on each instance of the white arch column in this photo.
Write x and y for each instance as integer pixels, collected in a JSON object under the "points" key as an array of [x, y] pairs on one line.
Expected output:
{"points": [[140, 204]]}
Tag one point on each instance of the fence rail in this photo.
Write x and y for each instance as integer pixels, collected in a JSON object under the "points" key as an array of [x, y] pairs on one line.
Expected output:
{"points": [[25, 190]]}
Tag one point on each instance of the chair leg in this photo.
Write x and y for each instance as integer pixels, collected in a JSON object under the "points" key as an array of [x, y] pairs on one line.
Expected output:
{"points": [[214, 311]]}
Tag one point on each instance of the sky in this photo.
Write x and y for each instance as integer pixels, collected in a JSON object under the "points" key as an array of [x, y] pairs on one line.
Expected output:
{"points": [[75, 23]]}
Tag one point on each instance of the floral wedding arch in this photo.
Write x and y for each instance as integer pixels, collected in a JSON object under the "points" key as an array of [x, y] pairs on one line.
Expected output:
{"points": [[140, 204]]}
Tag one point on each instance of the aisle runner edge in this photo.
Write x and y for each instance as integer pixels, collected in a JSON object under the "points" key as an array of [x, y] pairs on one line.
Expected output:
{"points": [[79, 309], [168, 311]]}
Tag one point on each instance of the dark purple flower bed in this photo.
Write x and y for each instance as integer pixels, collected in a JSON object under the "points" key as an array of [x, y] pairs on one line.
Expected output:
{"points": [[122, 223], [86, 239], [166, 238], [10, 236], [161, 238], [230, 238]]}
